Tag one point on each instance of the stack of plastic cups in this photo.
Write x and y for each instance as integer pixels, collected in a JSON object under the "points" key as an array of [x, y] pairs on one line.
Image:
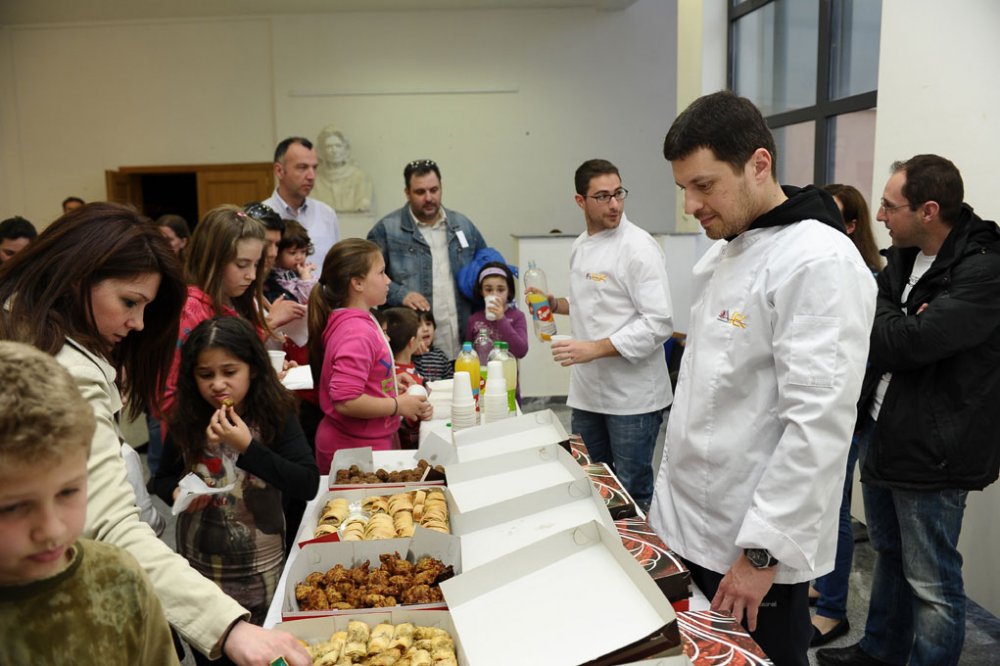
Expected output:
{"points": [[494, 406], [463, 405]]}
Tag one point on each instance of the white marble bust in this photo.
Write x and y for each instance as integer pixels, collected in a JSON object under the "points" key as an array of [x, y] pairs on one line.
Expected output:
{"points": [[339, 182]]}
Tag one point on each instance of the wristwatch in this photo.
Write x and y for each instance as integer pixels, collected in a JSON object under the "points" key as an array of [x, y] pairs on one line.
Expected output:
{"points": [[760, 558]]}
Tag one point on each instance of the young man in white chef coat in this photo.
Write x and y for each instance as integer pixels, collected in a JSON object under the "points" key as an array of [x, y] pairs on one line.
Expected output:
{"points": [[621, 316], [751, 481]]}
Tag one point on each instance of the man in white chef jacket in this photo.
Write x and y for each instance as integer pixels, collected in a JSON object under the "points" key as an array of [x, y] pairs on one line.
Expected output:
{"points": [[621, 315], [752, 475]]}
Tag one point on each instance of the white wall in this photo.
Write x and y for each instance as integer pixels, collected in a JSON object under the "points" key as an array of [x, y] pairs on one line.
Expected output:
{"points": [[85, 98], [576, 83], [938, 93]]}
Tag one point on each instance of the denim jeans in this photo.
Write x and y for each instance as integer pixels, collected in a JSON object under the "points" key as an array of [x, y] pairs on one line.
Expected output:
{"points": [[625, 443], [832, 588], [917, 609]]}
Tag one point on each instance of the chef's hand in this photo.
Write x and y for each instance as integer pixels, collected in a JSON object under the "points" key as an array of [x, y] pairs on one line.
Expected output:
{"points": [[574, 352], [742, 589]]}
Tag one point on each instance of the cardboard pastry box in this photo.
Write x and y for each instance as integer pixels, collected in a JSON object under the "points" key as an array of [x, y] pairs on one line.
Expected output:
{"points": [[321, 557], [619, 502], [665, 567], [545, 604]]}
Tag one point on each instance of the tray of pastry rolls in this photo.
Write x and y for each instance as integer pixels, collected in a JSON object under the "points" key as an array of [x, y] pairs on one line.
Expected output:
{"points": [[417, 638], [367, 515]]}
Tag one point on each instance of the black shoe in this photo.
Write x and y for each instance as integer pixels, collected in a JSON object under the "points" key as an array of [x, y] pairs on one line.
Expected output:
{"points": [[848, 656], [839, 629]]}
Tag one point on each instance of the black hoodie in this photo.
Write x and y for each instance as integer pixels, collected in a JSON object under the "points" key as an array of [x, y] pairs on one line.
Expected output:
{"points": [[803, 203]]}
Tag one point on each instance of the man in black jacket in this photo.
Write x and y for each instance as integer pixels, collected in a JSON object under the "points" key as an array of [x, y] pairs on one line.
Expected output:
{"points": [[929, 413]]}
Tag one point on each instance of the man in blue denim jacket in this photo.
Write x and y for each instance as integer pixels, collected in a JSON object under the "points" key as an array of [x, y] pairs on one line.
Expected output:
{"points": [[425, 245]]}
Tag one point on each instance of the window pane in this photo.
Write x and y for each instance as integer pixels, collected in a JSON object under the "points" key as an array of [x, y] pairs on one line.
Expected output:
{"points": [[854, 43], [851, 138], [796, 153], [774, 55]]}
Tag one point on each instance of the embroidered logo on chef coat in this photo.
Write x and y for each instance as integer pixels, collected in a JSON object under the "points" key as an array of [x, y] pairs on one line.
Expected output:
{"points": [[737, 319], [597, 277]]}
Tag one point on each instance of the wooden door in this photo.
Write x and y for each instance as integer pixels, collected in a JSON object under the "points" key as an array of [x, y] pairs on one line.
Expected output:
{"points": [[233, 186], [123, 188]]}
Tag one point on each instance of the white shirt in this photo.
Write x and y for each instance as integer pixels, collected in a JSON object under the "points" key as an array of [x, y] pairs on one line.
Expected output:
{"points": [[760, 427], [920, 266], [443, 292], [319, 220], [619, 290]]}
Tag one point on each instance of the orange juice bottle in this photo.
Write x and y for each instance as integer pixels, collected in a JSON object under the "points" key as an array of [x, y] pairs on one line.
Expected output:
{"points": [[538, 302], [468, 361]]}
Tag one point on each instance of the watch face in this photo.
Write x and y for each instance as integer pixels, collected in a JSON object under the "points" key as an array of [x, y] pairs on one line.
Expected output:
{"points": [[758, 557]]}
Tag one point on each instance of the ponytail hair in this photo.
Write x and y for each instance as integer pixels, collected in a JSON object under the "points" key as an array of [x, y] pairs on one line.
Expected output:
{"points": [[348, 259]]}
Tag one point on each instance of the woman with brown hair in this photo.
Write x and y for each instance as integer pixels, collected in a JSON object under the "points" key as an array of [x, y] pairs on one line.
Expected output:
{"points": [[101, 290], [858, 221]]}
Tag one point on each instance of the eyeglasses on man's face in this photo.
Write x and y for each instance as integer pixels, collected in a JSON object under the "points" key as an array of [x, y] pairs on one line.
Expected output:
{"points": [[605, 197], [887, 206]]}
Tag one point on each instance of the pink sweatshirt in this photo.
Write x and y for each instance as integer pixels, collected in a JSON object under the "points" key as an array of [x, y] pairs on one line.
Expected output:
{"points": [[356, 361]]}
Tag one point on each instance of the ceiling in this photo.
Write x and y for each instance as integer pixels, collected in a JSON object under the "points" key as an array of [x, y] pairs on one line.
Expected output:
{"points": [[27, 12]]}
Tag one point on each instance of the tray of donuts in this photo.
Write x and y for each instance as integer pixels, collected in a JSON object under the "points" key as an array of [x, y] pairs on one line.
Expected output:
{"points": [[343, 577], [400, 637], [364, 468], [364, 515]]}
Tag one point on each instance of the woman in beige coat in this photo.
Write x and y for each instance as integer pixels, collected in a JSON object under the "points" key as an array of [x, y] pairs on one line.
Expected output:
{"points": [[101, 291]]}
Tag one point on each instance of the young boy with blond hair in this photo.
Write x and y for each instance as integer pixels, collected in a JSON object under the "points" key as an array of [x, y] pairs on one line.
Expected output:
{"points": [[71, 600]]}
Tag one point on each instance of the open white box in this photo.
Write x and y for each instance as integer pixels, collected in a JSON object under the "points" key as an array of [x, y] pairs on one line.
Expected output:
{"points": [[494, 531], [324, 556], [545, 599], [319, 629], [489, 481], [512, 434], [368, 460], [354, 497], [676, 660]]}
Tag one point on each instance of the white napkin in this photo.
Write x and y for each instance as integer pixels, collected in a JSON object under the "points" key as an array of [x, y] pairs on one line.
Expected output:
{"points": [[297, 330], [298, 378], [192, 486]]}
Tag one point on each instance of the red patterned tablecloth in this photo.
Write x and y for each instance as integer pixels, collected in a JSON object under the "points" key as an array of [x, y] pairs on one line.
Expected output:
{"points": [[717, 639]]}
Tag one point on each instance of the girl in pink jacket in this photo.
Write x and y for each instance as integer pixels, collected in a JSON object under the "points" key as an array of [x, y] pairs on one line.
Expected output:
{"points": [[350, 356]]}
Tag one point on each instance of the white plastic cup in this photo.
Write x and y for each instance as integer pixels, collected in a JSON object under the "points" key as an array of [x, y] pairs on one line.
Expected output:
{"points": [[490, 301], [461, 392], [416, 389], [496, 385], [495, 408], [277, 360], [494, 369], [560, 338]]}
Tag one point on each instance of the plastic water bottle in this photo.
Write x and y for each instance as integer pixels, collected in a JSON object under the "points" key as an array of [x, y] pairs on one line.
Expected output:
{"points": [[501, 352], [538, 302], [468, 361], [483, 345]]}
